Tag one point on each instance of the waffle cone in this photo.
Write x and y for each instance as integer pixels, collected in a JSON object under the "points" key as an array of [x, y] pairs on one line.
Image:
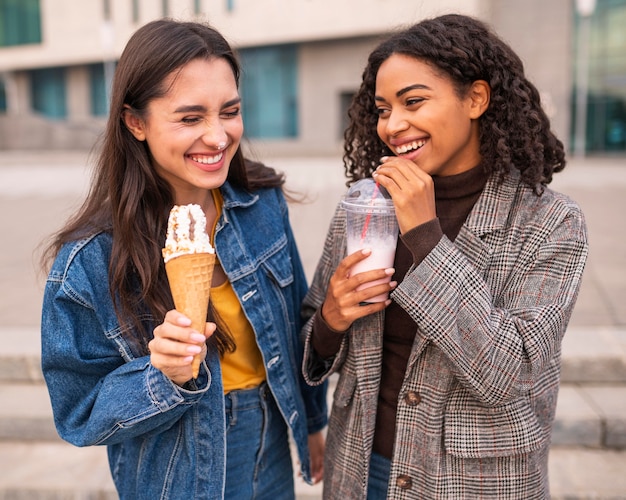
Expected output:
{"points": [[190, 283]]}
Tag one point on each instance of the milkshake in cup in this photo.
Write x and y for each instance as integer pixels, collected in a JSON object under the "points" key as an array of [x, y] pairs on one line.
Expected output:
{"points": [[371, 223]]}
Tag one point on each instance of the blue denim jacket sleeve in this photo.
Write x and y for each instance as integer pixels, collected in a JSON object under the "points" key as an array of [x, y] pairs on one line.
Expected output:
{"points": [[100, 392], [314, 397]]}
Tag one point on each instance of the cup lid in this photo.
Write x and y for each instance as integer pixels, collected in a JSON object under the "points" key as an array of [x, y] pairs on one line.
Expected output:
{"points": [[365, 194]]}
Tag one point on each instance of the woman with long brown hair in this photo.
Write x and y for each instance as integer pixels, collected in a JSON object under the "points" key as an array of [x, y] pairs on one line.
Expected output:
{"points": [[117, 356]]}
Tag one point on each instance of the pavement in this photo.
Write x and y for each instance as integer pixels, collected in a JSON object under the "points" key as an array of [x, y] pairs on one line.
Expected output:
{"points": [[38, 191]]}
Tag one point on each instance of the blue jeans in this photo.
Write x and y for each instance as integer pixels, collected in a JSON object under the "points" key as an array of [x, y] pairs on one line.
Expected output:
{"points": [[379, 477], [258, 458]]}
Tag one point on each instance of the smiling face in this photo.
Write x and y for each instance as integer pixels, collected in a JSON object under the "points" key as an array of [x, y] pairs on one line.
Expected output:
{"points": [[422, 118], [194, 130]]}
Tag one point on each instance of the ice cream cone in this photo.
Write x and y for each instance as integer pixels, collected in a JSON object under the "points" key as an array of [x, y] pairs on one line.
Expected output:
{"points": [[190, 283]]}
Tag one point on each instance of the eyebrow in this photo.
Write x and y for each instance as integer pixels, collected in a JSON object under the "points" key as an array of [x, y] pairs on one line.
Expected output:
{"points": [[401, 92], [197, 108]]}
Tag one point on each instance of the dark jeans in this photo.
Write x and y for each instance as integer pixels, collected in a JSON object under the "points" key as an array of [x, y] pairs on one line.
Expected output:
{"points": [[378, 478], [258, 458]]}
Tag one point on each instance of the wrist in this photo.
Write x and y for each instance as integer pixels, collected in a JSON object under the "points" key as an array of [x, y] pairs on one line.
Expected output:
{"points": [[330, 326]]}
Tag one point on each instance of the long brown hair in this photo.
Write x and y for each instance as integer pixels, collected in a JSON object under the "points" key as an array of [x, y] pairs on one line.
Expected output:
{"points": [[127, 198], [514, 131]]}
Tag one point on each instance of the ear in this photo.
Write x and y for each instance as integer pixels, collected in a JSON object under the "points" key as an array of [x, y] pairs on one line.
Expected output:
{"points": [[133, 123], [479, 94]]}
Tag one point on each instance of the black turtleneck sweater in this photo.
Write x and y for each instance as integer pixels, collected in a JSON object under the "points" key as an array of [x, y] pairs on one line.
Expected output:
{"points": [[454, 198]]}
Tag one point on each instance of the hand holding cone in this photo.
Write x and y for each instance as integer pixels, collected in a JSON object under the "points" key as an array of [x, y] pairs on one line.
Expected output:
{"points": [[189, 262]]}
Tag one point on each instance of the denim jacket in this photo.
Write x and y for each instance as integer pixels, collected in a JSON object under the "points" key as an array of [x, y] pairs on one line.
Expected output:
{"points": [[165, 441]]}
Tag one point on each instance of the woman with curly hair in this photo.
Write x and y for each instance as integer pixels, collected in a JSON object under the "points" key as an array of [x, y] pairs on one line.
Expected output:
{"points": [[448, 389]]}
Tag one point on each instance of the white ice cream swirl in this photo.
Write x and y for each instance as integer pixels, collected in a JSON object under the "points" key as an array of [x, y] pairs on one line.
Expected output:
{"points": [[186, 232]]}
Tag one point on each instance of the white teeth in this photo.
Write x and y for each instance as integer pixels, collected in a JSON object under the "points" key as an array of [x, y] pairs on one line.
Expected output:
{"points": [[405, 148], [207, 160]]}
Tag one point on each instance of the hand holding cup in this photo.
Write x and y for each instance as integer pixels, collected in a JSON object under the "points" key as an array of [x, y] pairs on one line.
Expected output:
{"points": [[371, 225]]}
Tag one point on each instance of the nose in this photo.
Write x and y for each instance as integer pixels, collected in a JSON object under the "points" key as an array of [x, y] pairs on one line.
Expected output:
{"points": [[214, 135], [395, 123]]}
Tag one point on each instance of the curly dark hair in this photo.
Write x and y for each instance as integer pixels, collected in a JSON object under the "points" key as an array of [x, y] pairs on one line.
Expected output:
{"points": [[514, 130]]}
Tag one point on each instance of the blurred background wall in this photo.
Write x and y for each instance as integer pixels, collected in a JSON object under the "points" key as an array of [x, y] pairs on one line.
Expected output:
{"points": [[302, 62]]}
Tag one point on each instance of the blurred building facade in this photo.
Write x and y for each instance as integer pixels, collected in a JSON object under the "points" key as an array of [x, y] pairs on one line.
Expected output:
{"points": [[302, 62]]}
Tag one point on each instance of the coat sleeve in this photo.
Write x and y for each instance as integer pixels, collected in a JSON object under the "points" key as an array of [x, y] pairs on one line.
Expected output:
{"points": [[97, 396], [501, 326], [315, 368]]}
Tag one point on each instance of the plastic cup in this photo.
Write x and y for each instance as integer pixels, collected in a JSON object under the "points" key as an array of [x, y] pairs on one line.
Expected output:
{"points": [[371, 223]]}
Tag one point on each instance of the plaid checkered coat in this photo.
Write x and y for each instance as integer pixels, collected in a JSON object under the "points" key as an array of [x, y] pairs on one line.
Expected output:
{"points": [[477, 403]]}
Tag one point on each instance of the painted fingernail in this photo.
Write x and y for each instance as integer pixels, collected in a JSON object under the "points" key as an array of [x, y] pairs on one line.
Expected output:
{"points": [[183, 321], [389, 271], [196, 337], [194, 349]]}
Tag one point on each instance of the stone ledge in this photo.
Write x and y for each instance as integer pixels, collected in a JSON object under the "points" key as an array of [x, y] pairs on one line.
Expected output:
{"points": [[594, 355], [590, 355], [576, 422], [591, 415]]}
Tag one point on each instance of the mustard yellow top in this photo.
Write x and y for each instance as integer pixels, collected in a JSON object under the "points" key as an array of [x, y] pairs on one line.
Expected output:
{"points": [[243, 368]]}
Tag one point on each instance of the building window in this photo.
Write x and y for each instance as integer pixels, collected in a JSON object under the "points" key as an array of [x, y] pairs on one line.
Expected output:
{"points": [[269, 91], [48, 92], [230, 5], [135, 12], [106, 10], [165, 8], [20, 22], [345, 99], [3, 97], [98, 90], [197, 7], [605, 128]]}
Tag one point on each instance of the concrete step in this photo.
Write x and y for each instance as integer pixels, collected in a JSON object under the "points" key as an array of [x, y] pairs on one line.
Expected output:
{"points": [[59, 471], [590, 415], [20, 355], [585, 474], [54, 471], [591, 410], [587, 459], [594, 355], [26, 413], [590, 355]]}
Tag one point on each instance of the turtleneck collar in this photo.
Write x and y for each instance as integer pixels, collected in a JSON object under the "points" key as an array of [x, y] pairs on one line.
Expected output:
{"points": [[453, 187]]}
